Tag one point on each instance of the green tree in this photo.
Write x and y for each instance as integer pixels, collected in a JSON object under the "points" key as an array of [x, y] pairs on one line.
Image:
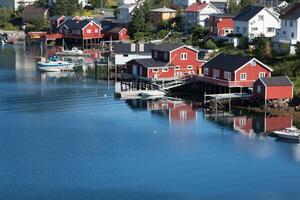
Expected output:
{"points": [[178, 21], [262, 48], [40, 24], [5, 15], [245, 3], [198, 33], [137, 22], [297, 49], [233, 7], [209, 44], [65, 7], [41, 3], [164, 25]]}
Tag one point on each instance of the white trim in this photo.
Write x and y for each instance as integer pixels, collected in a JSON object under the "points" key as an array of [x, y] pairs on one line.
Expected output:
{"points": [[93, 23], [257, 61], [245, 77]]}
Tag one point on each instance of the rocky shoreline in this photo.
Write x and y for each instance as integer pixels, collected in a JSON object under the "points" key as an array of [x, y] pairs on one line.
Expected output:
{"points": [[14, 36]]}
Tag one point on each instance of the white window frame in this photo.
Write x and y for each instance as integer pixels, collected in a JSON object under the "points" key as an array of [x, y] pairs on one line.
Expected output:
{"points": [[190, 67], [183, 56], [165, 69], [177, 67], [88, 31], [227, 75], [262, 74], [216, 73], [96, 30], [155, 70], [166, 55], [243, 76]]}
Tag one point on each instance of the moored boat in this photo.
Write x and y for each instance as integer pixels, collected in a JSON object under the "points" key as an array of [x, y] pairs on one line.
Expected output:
{"points": [[289, 133], [149, 93], [55, 65]]}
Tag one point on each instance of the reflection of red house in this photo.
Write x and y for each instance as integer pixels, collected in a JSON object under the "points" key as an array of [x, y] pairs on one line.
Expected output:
{"points": [[278, 123], [179, 111], [116, 33], [243, 124], [273, 88], [168, 62], [234, 71], [220, 25]]}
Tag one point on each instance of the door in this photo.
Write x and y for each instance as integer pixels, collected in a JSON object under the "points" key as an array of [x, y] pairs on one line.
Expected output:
{"points": [[134, 70]]}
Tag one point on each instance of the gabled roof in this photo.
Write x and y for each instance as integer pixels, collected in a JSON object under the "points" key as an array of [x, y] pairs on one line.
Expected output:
{"points": [[125, 48], [163, 10], [33, 9], [196, 7], [56, 17], [167, 47], [149, 62], [77, 24], [292, 12], [248, 13], [116, 30], [276, 81], [231, 63]]}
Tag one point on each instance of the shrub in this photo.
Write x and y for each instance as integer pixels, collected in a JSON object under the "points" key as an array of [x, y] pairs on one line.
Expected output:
{"points": [[209, 44]]}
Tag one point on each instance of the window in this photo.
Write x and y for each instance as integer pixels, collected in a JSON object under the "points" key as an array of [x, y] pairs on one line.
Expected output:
{"points": [[216, 73], [237, 29], [262, 74], [155, 54], [285, 23], [243, 76], [244, 29], [206, 71], [183, 56], [292, 34], [253, 63], [96, 30], [270, 29], [125, 55], [166, 56], [89, 31], [254, 28], [227, 75], [260, 17], [291, 23], [177, 67], [155, 70], [284, 32], [165, 69], [190, 66], [258, 89]]}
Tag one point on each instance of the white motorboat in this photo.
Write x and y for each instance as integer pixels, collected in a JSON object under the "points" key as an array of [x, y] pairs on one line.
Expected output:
{"points": [[152, 93], [291, 133], [55, 65], [73, 51]]}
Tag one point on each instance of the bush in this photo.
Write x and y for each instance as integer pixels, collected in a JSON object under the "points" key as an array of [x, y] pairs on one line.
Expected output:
{"points": [[209, 44]]}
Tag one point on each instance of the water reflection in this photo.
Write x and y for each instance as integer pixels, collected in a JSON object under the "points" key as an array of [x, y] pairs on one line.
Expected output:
{"points": [[175, 110]]}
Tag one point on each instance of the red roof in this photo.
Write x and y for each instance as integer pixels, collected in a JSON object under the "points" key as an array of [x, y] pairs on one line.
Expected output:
{"points": [[196, 7]]}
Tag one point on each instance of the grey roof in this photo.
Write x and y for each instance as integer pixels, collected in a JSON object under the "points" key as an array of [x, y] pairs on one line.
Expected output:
{"points": [[248, 13], [166, 47], [75, 24], [125, 48], [115, 30], [149, 62], [291, 12], [163, 10], [277, 81], [227, 62]]}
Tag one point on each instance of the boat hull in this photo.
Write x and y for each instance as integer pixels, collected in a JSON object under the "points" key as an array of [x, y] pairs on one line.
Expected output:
{"points": [[52, 67], [287, 136]]}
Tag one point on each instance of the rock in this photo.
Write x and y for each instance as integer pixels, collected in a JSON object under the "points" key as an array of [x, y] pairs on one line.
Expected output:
{"points": [[14, 36]]}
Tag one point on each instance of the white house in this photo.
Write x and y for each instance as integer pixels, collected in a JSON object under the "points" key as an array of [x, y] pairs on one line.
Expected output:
{"points": [[289, 33], [125, 12], [255, 21], [83, 3], [14, 4], [198, 13], [122, 2], [125, 52]]}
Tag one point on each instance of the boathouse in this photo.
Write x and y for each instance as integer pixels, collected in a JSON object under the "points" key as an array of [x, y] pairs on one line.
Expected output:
{"points": [[168, 62], [234, 71], [83, 31], [272, 88]]}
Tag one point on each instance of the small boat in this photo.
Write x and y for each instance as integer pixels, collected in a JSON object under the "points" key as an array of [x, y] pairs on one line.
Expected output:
{"points": [[291, 133], [152, 93], [73, 51], [55, 65]]}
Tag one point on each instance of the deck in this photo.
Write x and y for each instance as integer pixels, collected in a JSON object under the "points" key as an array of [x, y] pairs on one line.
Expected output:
{"points": [[224, 83]]}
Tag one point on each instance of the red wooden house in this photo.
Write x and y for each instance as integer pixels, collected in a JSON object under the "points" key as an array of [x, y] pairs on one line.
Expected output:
{"points": [[168, 62], [85, 30], [270, 88], [234, 71], [220, 25], [117, 33]]}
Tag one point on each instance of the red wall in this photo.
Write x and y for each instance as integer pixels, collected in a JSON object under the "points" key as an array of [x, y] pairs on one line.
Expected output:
{"points": [[176, 115], [192, 59], [217, 25], [93, 27], [161, 74], [280, 92], [252, 74], [122, 35]]}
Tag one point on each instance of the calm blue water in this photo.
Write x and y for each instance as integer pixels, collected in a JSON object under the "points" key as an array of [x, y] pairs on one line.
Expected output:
{"points": [[67, 137]]}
